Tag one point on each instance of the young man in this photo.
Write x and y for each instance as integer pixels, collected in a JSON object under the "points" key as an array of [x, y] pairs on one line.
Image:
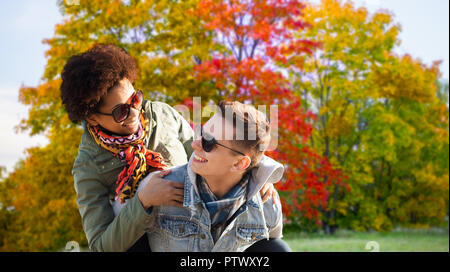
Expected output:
{"points": [[222, 210], [125, 138]]}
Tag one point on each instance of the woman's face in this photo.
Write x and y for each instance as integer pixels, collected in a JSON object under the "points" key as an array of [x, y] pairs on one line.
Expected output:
{"points": [[119, 94]]}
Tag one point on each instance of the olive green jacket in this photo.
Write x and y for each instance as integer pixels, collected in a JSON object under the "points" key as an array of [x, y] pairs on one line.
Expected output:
{"points": [[95, 171]]}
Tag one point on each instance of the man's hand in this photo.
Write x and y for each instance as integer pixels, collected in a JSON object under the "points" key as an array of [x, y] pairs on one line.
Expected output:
{"points": [[267, 191], [159, 191]]}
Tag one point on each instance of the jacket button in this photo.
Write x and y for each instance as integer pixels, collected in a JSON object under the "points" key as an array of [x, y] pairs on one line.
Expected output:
{"points": [[253, 236], [202, 236], [181, 230]]}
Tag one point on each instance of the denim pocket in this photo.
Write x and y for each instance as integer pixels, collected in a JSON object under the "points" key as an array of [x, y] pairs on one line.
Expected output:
{"points": [[178, 227], [178, 234], [250, 234]]}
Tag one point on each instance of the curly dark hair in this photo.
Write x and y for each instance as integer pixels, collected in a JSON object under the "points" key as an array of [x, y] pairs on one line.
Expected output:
{"points": [[87, 77]]}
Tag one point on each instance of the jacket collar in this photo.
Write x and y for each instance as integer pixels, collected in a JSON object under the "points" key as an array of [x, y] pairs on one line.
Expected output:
{"points": [[267, 170], [191, 195]]}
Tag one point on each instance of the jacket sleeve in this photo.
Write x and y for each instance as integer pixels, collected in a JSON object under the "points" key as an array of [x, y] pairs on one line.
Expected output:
{"points": [[274, 217], [105, 232]]}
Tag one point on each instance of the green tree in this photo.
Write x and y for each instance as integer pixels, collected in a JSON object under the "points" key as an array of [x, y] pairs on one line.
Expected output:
{"points": [[378, 118]]}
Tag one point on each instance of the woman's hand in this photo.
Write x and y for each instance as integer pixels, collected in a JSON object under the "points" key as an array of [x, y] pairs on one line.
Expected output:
{"points": [[159, 191], [267, 191]]}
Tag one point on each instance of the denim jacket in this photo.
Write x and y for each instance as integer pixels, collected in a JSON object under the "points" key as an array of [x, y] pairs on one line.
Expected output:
{"points": [[187, 228]]}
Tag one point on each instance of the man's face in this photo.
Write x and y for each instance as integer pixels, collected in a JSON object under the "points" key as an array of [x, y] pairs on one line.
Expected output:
{"points": [[119, 94], [220, 161]]}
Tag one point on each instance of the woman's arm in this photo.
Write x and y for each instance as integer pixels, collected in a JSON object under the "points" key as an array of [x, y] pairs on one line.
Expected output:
{"points": [[105, 232]]}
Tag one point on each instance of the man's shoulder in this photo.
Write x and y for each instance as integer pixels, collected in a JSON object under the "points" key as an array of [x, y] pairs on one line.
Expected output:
{"points": [[178, 173], [272, 211]]}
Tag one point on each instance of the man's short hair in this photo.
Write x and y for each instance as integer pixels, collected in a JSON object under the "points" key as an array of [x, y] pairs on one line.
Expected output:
{"points": [[251, 128]]}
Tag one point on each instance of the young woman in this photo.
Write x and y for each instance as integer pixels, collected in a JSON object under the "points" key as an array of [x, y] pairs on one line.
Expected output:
{"points": [[125, 139]]}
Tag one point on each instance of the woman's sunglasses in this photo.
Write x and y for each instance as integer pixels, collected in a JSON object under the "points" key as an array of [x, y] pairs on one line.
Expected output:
{"points": [[121, 112], [208, 143]]}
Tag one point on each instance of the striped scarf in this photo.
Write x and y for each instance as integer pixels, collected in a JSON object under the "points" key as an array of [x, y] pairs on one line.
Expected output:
{"points": [[222, 211], [130, 149]]}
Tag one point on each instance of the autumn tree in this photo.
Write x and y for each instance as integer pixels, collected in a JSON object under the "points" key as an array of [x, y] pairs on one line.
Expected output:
{"points": [[261, 49], [158, 34], [164, 42], [363, 132], [172, 41], [38, 205], [378, 118]]}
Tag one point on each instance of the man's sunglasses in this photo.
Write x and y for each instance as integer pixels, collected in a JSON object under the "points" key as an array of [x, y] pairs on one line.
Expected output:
{"points": [[208, 143], [121, 112]]}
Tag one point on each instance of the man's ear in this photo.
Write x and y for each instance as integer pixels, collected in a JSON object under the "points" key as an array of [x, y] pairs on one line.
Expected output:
{"points": [[242, 164], [92, 120]]}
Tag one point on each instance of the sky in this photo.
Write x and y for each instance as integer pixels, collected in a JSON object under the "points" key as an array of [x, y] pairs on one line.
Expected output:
{"points": [[25, 23]]}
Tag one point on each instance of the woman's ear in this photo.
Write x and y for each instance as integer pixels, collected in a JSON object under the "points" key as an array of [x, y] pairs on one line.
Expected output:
{"points": [[242, 164], [92, 120]]}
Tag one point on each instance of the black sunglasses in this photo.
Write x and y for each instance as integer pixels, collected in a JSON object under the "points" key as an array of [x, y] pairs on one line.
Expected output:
{"points": [[121, 112], [208, 143]]}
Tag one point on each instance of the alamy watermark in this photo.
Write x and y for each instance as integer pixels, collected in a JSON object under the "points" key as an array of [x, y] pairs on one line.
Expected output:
{"points": [[72, 246], [372, 246]]}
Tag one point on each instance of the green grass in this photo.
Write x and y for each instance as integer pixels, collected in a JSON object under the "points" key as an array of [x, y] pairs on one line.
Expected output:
{"points": [[401, 240]]}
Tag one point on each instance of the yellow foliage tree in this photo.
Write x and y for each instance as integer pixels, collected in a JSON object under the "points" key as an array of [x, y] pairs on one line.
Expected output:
{"points": [[379, 118], [38, 210], [42, 214]]}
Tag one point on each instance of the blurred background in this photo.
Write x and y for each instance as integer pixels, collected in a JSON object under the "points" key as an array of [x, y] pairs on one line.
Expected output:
{"points": [[362, 90]]}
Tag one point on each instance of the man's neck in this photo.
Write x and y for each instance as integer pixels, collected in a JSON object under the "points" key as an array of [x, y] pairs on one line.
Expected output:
{"points": [[220, 185]]}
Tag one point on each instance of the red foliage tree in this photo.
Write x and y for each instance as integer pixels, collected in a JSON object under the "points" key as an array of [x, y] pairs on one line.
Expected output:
{"points": [[255, 49]]}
